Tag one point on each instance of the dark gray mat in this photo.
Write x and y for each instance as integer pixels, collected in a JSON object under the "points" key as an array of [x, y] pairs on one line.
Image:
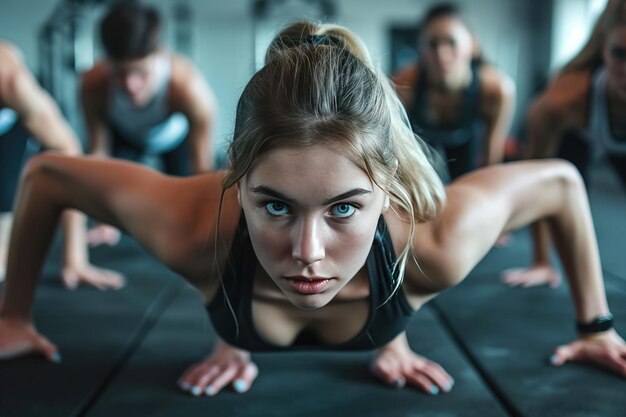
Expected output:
{"points": [[289, 384], [608, 205], [94, 330], [510, 334]]}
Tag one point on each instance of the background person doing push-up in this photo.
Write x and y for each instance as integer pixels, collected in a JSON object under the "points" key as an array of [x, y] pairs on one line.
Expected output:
{"points": [[581, 117], [143, 99], [26, 110]]}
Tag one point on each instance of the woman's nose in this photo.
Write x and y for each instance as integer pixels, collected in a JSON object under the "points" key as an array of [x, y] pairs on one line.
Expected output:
{"points": [[308, 241]]}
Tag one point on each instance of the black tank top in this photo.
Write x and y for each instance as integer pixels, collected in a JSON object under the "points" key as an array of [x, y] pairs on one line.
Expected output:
{"points": [[231, 307], [469, 124]]}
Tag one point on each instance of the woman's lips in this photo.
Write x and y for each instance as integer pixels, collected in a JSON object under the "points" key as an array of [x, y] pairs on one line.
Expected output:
{"points": [[309, 286]]}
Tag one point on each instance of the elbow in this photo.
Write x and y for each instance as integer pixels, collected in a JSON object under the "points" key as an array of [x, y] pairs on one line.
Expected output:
{"points": [[33, 168], [38, 169], [568, 174], [566, 185]]}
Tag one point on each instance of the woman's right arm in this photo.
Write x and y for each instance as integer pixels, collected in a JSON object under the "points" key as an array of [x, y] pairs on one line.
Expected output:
{"points": [[155, 209]]}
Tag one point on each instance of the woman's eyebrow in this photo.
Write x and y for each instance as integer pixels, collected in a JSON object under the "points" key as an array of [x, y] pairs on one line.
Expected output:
{"points": [[262, 189], [347, 194]]}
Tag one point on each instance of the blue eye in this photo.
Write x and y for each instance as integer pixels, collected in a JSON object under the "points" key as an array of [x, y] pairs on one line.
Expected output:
{"points": [[276, 208], [343, 210]]}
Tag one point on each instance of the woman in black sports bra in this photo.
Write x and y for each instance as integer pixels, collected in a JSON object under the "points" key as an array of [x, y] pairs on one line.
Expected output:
{"points": [[456, 102], [311, 240]]}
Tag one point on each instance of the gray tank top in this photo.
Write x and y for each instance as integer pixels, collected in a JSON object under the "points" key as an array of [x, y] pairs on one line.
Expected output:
{"points": [[599, 126], [151, 127]]}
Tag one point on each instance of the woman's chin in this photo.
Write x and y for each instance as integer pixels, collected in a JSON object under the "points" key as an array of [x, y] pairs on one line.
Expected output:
{"points": [[309, 302]]}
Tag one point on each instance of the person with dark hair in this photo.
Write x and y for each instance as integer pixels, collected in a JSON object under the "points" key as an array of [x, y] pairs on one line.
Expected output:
{"points": [[456, 102], [145, 100], [27, 111], [329, 229], [581, 116]]}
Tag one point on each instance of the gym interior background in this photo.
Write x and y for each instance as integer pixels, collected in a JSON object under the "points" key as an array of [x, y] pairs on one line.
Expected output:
{"points": [[526, 39]]}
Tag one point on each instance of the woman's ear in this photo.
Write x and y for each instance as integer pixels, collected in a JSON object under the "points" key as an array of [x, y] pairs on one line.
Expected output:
{"points": [[238, 194]]}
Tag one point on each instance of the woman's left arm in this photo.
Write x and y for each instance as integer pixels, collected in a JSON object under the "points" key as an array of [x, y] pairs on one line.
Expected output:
{"points": [[498, 92], [494, 200]]}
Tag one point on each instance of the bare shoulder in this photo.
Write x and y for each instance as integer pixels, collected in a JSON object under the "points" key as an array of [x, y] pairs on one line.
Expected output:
{"points": [[96, 75], [11, 69], [431, 265], [405, 80], [407, 75], [567, 94], [185, 75], [569, 89], [200, 243], [202, 223], [94, 83], [188, 87], [564, 103], [496, 86], [10, 55]]}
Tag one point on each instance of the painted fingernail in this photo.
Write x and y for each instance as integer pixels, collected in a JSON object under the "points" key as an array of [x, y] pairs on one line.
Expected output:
{"points": [[554, 359], [434, 390], [56, 357], [398, 383], [196, 390], [240, 385], [185, 386], [209, 390], [448, 386]]}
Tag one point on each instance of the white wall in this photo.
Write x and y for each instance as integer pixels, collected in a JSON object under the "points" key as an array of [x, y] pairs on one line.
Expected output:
{"points": [[572, 23], [20, 21]]}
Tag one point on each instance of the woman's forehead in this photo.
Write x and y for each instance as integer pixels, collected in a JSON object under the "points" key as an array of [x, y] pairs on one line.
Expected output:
{"points": [[312, 167], [449, 23]]}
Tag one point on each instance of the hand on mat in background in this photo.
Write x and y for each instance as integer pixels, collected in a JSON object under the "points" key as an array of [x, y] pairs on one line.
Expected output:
{"points": [[18, 337], [532, 277], [397, 365], [607, 350], [226, 365], [103, 279], [103, 234]]}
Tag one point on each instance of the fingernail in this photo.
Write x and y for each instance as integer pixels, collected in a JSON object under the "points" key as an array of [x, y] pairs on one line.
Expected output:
{"points": [[240, 385], [185, 386], [209, 390], [398, 383], [196, 390], [448, 386], [56, 357], [434, 390], [554, 359]]}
